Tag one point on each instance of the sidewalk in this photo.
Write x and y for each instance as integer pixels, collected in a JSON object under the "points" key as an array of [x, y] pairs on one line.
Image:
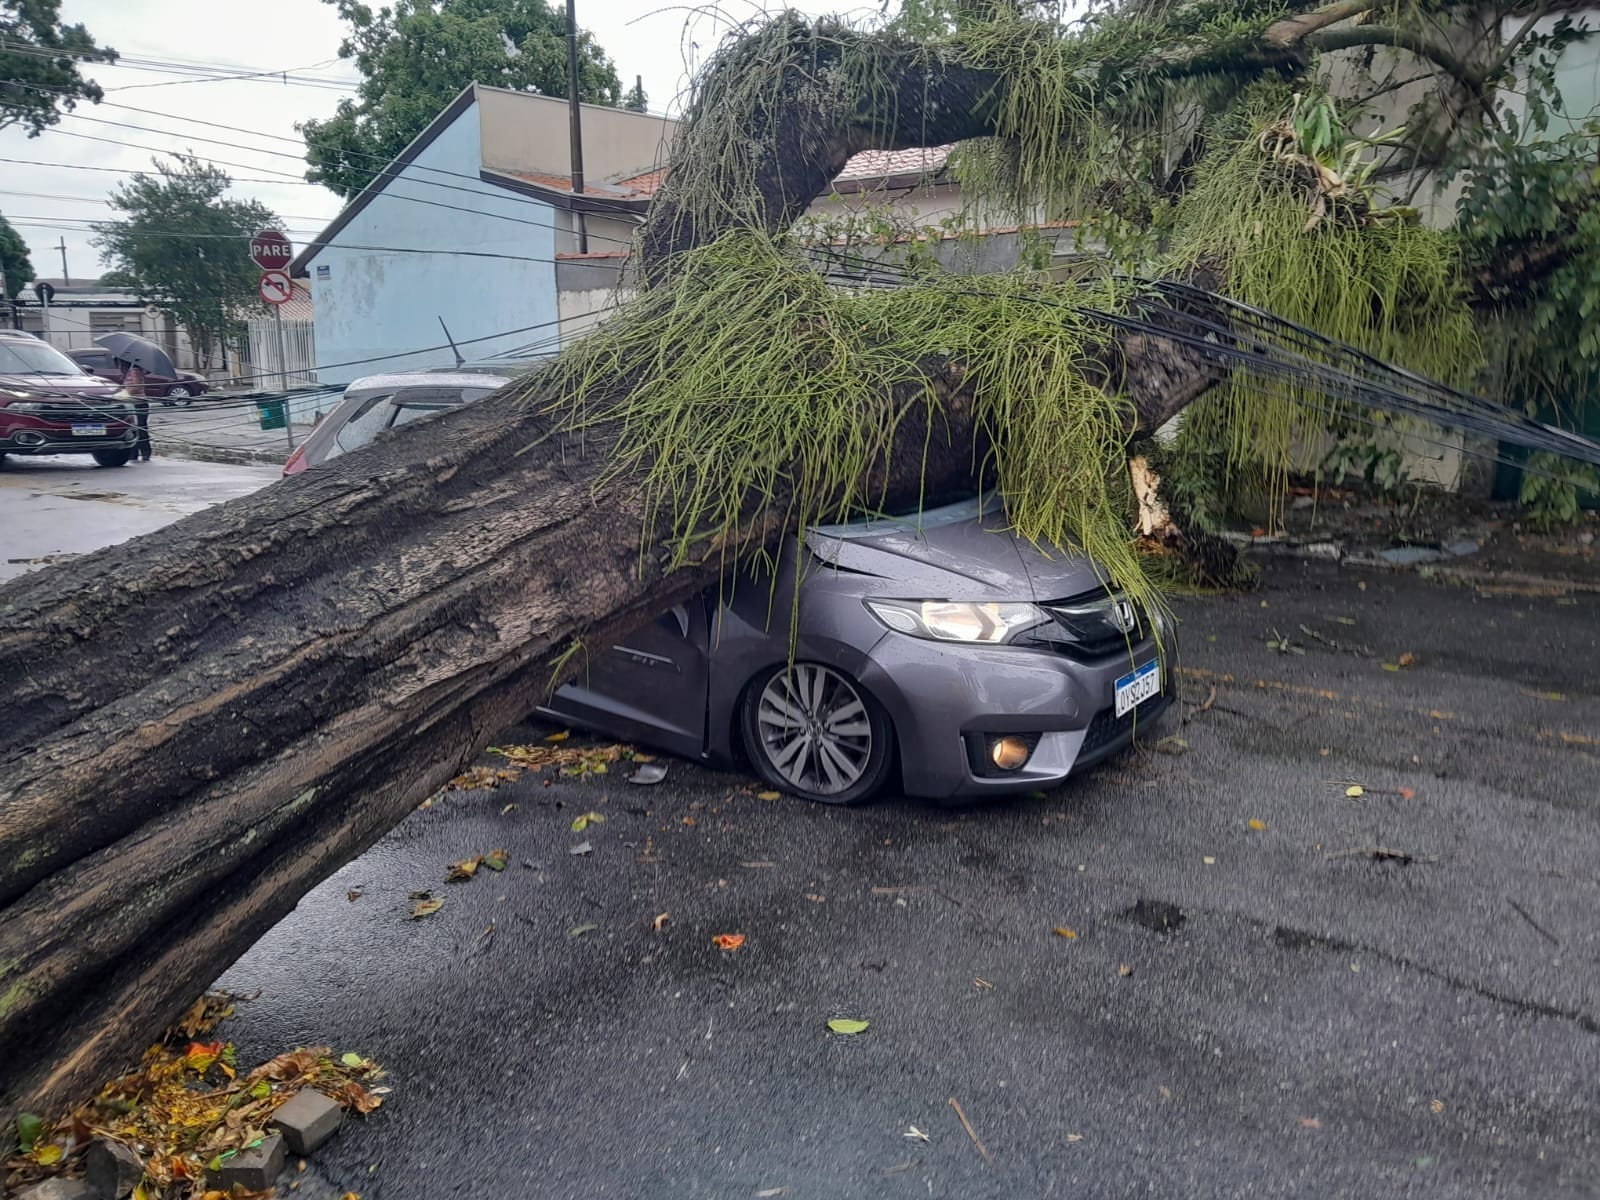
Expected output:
{"points": [[226, 429]]}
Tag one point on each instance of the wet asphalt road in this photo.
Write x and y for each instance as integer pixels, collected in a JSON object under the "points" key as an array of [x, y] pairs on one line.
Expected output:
{"points": [[1242, 1012]]}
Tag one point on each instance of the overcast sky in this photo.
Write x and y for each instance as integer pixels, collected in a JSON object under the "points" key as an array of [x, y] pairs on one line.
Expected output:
{"points": [[165, 43]]}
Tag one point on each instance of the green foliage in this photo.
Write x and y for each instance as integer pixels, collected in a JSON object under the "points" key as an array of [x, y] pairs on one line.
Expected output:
{"points": [[1288, 237], [1550, 490], [123, 281], [749, 374], [1524, 197], [203, 283], [415, 57], [14, 262], [39, 60]]}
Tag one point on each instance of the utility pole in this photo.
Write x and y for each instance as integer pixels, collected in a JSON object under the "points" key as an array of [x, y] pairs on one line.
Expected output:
{"points": [[66, 279], [575, 113]]}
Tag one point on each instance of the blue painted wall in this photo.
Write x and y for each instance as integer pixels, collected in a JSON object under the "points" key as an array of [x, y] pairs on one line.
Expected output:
{"points": [[376, 302]]}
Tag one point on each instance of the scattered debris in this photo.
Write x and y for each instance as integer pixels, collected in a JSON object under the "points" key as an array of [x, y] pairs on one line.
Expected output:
{"points": [[581, 848], [1310, 1123], [1124, 970], [983, 985], [769, 795], [580, 930], [661, 919], [187, 1119], [727, 941], [848, 1025], [1256, 823], [426, 906], [1355, 791], [648, 773], [1061, 931], [1282, 645], [971, 1133], [916, 1134], [582, 822]]}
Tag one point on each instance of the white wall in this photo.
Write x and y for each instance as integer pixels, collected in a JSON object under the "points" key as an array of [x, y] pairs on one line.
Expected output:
{"points": [[374, 303]]}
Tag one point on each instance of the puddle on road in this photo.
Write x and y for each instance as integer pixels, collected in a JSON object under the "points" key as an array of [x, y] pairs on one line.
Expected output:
{"points": [[1157, 916]]}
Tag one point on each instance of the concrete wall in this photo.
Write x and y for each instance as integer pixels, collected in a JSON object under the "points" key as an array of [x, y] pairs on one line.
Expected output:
{"points": [[378, 302], [523, 132], [587, 289], [922, 205]]}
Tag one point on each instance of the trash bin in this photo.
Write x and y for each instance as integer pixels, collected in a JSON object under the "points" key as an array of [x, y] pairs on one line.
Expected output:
{"points": [[271, 413]]}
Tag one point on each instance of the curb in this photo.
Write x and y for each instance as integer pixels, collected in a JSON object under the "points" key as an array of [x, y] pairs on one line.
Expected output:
{"points": [[201, 452], [1334, 554]]}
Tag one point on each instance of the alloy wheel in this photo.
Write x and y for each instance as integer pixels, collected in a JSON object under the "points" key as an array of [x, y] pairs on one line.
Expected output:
{"points": [[814, 729]]}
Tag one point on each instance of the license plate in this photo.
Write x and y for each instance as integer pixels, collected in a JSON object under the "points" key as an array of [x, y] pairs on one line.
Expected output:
{"points": [[88, 431], [1134, 689]]}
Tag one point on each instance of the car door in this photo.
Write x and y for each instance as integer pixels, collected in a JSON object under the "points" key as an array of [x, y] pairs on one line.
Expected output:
{"points": [[649, 686]]}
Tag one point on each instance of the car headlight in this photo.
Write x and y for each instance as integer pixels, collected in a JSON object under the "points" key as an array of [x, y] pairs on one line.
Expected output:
{"points": [[26, 406], [988, 623]]}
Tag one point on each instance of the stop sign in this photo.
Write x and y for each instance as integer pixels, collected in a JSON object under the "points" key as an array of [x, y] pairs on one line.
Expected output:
{"points": [[271, 250]]}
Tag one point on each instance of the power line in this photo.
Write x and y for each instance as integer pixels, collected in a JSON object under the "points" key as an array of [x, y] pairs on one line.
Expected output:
{"points": [[508, 198]]}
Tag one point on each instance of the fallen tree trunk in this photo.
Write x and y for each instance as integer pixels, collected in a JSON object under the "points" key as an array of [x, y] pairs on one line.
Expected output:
{"points": [[198, 726]]}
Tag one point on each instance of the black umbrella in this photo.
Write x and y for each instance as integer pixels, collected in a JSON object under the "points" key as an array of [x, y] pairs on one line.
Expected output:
{"points": [[146, 355]]}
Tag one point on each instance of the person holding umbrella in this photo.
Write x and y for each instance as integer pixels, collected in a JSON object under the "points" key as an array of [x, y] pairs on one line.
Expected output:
{"points": [[136, 357], [133, 388]]}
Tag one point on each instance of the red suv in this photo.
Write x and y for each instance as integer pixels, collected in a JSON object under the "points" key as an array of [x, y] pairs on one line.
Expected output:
{"points": [[48, 405]]}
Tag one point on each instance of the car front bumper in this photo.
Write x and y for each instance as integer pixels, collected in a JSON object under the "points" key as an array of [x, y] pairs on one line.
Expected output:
{"points": [[944, 697], [44, 439]]}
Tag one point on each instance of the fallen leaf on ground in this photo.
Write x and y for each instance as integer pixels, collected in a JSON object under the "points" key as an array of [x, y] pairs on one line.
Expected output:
{"points": [[579, 824], [353, 895], [496, 859], [1345, 620], [848, 1025], [1355, 791], [777, 1191], [916, 1134], [580, 930], [1256, 823], [1407, 794], [1074, 1137], [508, 808], [47, 1155], [352, 1059], [1209, 861], [1408, 659], [1063, 931], [559, 737], [29, 1126], [1124, 970], [728, 941], [1390, 666], [1310, 1123], [426, 908], [661, 919], [815, 898], [463, 870], [768, 795]]}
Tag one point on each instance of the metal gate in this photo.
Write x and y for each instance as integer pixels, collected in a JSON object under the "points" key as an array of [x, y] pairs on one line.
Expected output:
{"points": [[295, 368]]}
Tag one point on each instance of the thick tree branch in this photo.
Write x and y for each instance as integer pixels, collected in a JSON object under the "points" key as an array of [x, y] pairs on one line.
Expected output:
{"points": [[1291, 31], [1387, 35]]}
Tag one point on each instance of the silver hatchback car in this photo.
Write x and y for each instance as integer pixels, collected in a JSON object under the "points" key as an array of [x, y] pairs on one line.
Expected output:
{"points": [[939, 648]]}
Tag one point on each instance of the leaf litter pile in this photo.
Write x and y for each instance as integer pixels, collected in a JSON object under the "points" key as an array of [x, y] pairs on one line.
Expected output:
{"points": [[187, 1108], [571, 760]]}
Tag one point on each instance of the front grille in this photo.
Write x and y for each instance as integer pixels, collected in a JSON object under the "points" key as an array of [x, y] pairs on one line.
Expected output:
{"points": [[1089, 627], [68, 412], [1108, 729]]}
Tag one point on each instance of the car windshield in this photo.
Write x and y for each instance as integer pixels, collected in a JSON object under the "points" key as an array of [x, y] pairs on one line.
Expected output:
{"points": [[386, 412], [29, 356]]}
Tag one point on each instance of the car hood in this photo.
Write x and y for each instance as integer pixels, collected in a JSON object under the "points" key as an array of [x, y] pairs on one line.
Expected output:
{"points": [[963, 552], [46, 386]]}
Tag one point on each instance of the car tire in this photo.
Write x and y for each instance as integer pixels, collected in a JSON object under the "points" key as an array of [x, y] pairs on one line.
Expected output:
{"points": [[180, 391], [113, 458], [844, 751]]}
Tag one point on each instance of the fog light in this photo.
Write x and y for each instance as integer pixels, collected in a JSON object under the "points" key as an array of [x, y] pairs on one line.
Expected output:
{"points": [[1009, 753], [29, 437]]}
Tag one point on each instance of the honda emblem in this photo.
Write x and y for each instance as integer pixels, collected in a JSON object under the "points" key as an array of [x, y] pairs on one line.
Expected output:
{"points": [[1126, 616]]}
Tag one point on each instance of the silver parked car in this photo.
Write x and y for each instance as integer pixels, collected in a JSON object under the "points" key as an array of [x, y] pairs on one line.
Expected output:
{"points": [[940, 649]]}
